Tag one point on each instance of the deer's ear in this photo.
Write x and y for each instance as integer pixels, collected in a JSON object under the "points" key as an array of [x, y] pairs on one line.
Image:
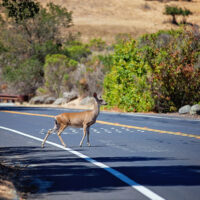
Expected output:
{"points": [[95, 95]]}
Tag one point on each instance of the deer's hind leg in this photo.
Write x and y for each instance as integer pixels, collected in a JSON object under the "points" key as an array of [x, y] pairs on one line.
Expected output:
{"points": [[50, 131], [85, 132]]}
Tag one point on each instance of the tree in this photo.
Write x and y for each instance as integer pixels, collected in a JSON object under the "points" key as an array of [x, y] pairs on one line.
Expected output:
{"points": [[29, 31], [186, 13], [38, 26], [174, 11], [23, 75], [21, 10]]}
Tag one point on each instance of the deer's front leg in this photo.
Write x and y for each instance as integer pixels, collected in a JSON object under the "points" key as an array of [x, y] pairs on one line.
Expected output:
{"points": [[47, 135], [59, 134], [88, 136], [50, 131], [84, 134]]}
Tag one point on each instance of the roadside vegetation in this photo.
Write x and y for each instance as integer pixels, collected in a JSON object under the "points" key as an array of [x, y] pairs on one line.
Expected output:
{"points": [[39, 55], [157, 72]]}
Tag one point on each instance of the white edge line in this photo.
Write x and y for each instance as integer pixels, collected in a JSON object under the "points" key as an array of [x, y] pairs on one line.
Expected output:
{"points": [[145, 191]]}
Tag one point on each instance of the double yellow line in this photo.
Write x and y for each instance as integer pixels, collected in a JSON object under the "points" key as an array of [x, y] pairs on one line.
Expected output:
{"points": [[115, 124]]}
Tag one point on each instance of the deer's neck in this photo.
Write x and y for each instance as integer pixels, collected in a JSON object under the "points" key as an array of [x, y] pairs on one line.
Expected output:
{"points": [[96, 109]]}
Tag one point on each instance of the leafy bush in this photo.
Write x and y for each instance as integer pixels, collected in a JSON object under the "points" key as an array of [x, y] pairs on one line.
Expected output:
{"points": [[45, 48], [2, 48], [107, 62], [89, 76], [157, 72], [24, 76], [56, 73], [175, 80], [97, 44], [76, 51], [126, 85]]}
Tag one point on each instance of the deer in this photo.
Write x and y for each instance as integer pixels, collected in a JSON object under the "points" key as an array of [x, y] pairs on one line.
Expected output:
{"points": [[82, 119]]}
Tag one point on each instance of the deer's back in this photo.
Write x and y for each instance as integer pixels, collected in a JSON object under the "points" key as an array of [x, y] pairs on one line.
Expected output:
{"points": [[77, 119]]}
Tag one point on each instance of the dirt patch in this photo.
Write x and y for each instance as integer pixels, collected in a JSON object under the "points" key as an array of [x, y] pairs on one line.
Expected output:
{"points": [[7, 190], [12, 183]]}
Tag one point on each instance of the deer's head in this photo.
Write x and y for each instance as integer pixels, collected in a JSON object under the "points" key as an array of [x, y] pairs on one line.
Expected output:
{"points": [[99, 99]]}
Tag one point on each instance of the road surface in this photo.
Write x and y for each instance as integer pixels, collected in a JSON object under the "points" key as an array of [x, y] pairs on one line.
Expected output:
{"points": [[132, 156]]}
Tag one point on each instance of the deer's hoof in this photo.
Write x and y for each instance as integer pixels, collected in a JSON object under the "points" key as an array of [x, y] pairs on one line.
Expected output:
{"points": [[89, 145]]}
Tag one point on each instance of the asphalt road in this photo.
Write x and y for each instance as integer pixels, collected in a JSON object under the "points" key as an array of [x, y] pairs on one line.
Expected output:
{"points": [[132, 156]]}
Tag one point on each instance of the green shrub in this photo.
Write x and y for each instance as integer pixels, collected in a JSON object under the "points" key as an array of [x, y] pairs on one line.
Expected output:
{"points": [[24, 76], [41, 91], [77, 51], [107, 61], [97, 44], [56, 72], [158, 72], [126, 85], [41, 50], [2, 48], [175, 80], [91, 75]]}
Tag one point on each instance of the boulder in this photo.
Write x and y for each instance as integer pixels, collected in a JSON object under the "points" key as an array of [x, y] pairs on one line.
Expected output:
{"points": [[69, 96], [195, 109], [58, 101], [49, 100], [38, 100], [185, 109], [87, 101]]}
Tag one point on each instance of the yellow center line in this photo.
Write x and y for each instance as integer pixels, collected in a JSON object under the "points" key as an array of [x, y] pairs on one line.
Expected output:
{"points": [[25, 113], [113, 124]]}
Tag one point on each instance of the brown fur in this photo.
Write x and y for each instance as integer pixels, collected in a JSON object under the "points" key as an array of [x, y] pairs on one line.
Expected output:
{"points": [[78, 120]]}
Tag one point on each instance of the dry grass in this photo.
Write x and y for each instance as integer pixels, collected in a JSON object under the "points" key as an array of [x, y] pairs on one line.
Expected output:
{"points": [[107, 18]]}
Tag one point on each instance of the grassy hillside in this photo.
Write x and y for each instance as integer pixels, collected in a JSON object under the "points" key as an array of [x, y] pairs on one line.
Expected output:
{"points": [[107, 18]]}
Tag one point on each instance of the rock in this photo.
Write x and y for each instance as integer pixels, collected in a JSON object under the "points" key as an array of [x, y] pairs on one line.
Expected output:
{"points": [[185, 109], [87, 101], [58, 101], [49, 100], [69, 96], [195, 109], [38, 99]]}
